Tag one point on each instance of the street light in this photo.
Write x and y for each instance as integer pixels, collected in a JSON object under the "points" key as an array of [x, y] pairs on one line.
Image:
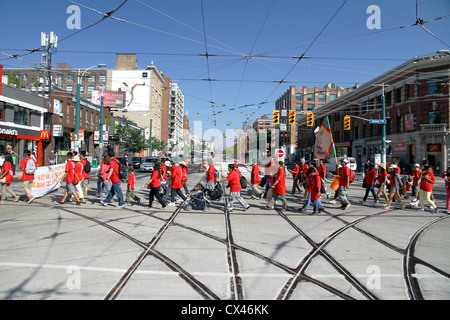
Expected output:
{"points": [[77, 106]]}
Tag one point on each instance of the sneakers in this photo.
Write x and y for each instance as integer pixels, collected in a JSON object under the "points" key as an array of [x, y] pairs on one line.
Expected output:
{"points": [[120, 206], [60, 202], [172, 204], [103, 203], [31, 199]]}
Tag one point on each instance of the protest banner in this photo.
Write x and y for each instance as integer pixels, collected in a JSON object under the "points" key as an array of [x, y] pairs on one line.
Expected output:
{"points": [[47, 179]]}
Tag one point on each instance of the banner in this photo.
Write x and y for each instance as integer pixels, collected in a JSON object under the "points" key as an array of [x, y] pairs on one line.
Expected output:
{"points": [[47, 179], [324, 146], [114, 99]]}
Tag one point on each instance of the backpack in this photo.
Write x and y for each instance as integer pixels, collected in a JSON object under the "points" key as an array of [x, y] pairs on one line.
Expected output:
{"points": [[123, 170], [31, 167], [87, 167], [216, 193]]}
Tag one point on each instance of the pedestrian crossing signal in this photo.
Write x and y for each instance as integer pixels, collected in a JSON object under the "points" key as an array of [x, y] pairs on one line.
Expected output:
{"points": [[291, 117], [276, 116], [310, 119], [346, 123]]}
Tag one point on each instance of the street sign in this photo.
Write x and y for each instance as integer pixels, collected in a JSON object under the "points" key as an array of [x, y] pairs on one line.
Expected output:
{"points": [[279, 153], [377, 121]]}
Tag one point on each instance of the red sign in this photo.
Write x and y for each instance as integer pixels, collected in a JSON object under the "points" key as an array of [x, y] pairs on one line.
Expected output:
{"points": [[45, 134], [280, 153], [433, 147], [114, 99]]}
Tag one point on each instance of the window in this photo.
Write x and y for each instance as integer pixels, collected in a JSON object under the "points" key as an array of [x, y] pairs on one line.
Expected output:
{"points": [[90, 88], [310, 96], [333, 97], [299, 96], [70, 77], [91, 78], [398, 95], [434, 86], [81, 89], [21, 115], [434, 117], [311, 107], [2, 111], [69, 88], [102, 77], [299, 106], [322, 97]]}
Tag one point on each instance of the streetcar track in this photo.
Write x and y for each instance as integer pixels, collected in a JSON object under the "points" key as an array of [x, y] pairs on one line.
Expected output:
{"points": [[296, 275]]}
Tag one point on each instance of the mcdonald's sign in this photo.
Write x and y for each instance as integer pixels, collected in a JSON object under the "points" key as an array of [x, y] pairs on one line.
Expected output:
{"points": [[45, 135]]}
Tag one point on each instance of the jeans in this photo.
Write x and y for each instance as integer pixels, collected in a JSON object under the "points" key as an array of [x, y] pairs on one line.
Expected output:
{"points": [[101, 185], [116, 190], [236, 195], [178, 191], [307, 201], [155, 192], [342, 194], [317, 205], [370, 188], [274, 199]]}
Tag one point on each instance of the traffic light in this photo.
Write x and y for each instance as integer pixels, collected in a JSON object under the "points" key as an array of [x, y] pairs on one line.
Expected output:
{"points": [[310, 119], [291, 117], [346, 123], [276, 116]]}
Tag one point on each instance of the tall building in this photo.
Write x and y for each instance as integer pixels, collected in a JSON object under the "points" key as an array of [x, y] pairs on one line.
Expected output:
{"points": [[172, 114], [303, 100]]}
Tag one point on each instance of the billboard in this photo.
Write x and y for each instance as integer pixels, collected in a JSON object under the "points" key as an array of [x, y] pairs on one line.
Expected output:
{"points": [[113, 99], [136, 86]]}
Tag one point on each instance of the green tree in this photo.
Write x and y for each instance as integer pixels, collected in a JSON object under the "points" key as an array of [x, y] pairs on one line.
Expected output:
{"points": [[130, 139]]}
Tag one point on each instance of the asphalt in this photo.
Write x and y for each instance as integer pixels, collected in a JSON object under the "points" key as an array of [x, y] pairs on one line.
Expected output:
{"points": [[53, 252]]}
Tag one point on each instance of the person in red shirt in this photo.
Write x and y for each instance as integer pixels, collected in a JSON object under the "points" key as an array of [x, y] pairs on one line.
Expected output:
{"points": [[395, 185], [344, 184], [184, 176], [382, 181], [86, 175], [7, 174], [296, 176], [210, 177], [130, 187], [370, 180], [113, 175], [415, 175], [79, 178], [154, 184], [255, 180], [316, 185], [175, 173], [427, 181], [69, 177], [27, 178], [279, 188], [235, 188], [323, 174]]}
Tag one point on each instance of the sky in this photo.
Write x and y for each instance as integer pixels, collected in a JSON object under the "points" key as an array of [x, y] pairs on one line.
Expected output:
{"points": [[252, 45]]}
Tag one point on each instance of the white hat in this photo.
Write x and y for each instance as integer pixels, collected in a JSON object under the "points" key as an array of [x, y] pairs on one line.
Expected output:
{"points": [[345, 160], [76, 158], [417, 165], [393, 166]]}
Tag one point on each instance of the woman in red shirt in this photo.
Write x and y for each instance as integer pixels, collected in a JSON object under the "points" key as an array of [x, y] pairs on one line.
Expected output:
{"points": [[7, 173], [370, 180], [382, 180], [279, 188], [155, 188], [176, 186], [235, 188], [426, 187], [255, 180]]}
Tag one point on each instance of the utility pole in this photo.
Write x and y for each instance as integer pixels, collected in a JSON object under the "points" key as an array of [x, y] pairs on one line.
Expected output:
{"points": [[383, 124], [49, 43]]}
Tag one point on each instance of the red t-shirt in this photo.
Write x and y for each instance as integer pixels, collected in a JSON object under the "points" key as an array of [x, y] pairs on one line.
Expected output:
{"points": [[233, 179], [114, 165], [381, 176], [85, 174], [416, 175], [255, 179], [296, 171], [7, 168], [425, 185], [176, 177], [392, 179], [370, 177], [155, 179], [131, 181], [78, 172], [70, 170], [210, 175], [23, 165], [184, 174], [280, 187], [344, 173], [322, 172], [316, 184]]}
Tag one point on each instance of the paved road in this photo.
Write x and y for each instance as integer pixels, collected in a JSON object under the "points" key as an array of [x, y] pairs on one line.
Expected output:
{"points": [[67, 252]]}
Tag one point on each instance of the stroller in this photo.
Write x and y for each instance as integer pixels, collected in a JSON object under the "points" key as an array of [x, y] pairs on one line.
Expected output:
{"points": [[198, 200]]}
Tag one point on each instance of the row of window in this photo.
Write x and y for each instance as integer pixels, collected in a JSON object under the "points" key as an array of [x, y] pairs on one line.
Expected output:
{"points": [[90, 89], [91, 78], [312, 97], [22, 115]]}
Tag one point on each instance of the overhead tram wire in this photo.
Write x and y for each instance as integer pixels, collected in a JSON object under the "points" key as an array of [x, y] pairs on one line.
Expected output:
{"points": [[206, 50], [307, 49], [420, 22]]}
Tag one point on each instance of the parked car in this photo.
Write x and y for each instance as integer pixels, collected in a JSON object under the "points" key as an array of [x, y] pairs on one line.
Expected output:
{"points": [[331, 164], [147, 165], [137, 161]]}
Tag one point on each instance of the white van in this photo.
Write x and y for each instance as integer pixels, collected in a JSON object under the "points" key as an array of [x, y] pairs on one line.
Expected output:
{"points": [[331, 164]]}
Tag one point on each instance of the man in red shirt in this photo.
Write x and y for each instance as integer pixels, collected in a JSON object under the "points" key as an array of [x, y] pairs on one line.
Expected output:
{"points": [[113, 175], [415, 175], [86, 175], [175, 173], [427, 181], [255, 180], [69, 177], [235, 188], [27, 178], [370, 180], [344, 184], [296, 175], [316, 185], [279, 187], [210, 177], [130, 187]]}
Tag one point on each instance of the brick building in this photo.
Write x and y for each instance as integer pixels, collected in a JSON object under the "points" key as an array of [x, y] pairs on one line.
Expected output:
{"points": [[417, 112]]}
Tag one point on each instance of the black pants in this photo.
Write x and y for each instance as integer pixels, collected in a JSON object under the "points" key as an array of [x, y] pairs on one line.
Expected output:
{"points": [[177, 191], [155, 192]]}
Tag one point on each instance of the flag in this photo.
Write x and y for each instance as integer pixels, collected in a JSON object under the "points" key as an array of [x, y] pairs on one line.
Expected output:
{"points": [[324, 146]]}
